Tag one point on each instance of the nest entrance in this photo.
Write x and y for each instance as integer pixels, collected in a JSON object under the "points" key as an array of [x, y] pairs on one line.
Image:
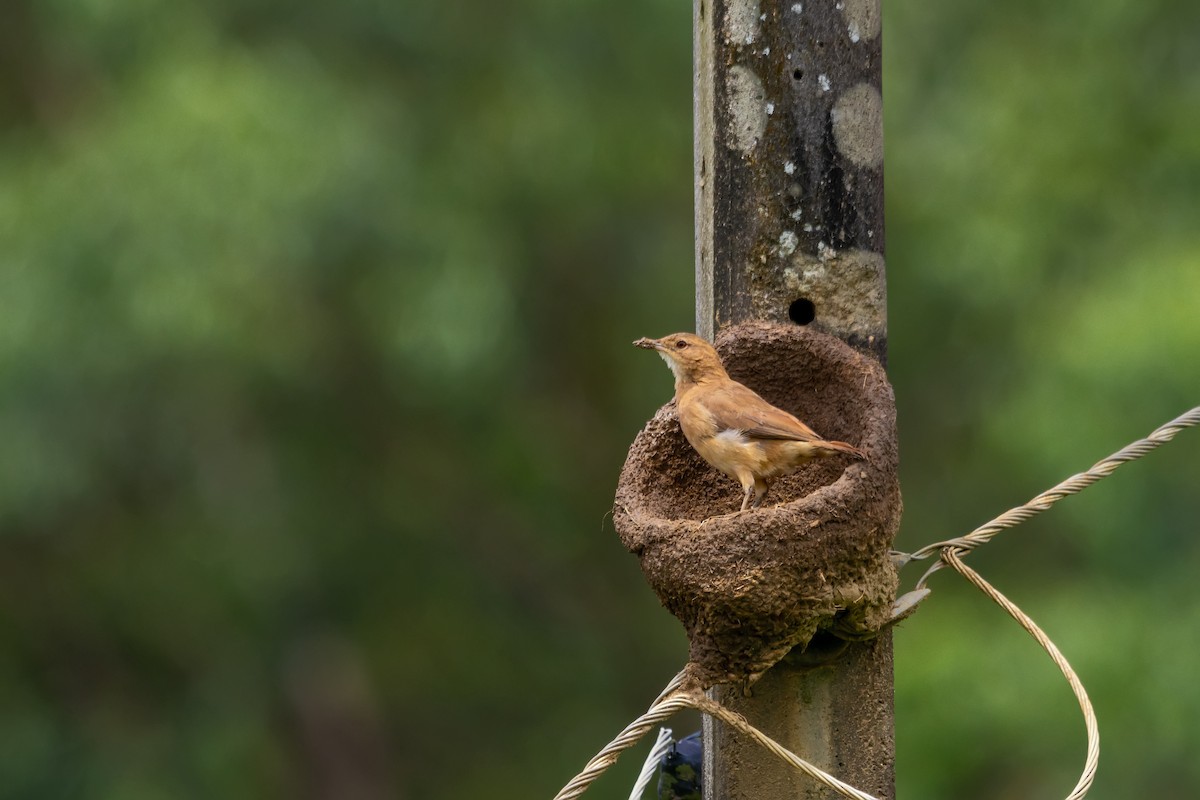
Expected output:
{"points": [[750, 587]]}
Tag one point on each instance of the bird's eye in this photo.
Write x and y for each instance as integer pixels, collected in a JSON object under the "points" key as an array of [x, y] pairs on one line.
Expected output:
{"points": [[681, 344]]}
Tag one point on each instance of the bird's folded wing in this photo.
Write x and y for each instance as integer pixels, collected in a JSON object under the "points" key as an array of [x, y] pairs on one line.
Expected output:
{"points": [[738, 408]]}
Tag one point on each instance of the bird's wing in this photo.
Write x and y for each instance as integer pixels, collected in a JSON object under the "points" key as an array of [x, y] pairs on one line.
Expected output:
{"points": [[739, 408]]}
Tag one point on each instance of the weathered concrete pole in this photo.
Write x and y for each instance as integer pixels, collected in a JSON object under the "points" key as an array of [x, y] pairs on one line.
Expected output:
{"points": [[789, 226]]}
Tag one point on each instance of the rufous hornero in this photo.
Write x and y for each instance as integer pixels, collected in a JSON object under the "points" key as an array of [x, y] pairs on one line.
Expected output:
{"points": [[731, 426]]}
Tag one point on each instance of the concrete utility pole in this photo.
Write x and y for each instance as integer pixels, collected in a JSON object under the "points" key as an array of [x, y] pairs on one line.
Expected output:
{"points": [[789, 226]]}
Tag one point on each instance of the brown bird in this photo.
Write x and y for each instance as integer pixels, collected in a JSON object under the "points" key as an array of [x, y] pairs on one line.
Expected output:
{"points": [[730, 425]]}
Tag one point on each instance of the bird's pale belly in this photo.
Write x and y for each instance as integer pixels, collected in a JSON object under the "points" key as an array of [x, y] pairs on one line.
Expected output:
{"points": [[735, 454]]}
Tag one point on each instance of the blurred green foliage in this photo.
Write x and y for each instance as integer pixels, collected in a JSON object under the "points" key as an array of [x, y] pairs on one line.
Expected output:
{"points": [[316, 383]]}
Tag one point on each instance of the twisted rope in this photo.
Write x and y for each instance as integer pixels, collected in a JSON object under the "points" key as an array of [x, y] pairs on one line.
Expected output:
{"points": [[662, 745], [660, 711], [952, 552], [1089, 716], [663, 707], [1072, 485]]}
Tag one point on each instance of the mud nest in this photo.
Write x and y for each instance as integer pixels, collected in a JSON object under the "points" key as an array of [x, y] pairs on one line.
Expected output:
{"points": [[750, 587]]}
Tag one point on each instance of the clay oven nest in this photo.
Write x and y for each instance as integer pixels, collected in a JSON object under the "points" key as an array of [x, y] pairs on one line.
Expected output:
{"points": [[749, 587]]}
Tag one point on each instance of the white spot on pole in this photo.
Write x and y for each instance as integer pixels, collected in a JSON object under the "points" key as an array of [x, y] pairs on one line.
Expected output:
{"points": [[863, 18], [747, 108], [823, 80], [857, 119], [788, 242], [797, 8], [770, 109], [742, 21], [789, 168]]}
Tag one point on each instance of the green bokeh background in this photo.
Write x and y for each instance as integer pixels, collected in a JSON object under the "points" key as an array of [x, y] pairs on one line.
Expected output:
{"points": [[315, 381]]}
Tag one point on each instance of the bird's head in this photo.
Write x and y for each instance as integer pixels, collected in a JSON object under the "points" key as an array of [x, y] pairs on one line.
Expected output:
{"points": [[691, 358]]}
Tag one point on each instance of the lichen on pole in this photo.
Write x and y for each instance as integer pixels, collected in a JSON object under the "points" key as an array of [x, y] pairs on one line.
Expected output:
{"points": [[789, 228]]}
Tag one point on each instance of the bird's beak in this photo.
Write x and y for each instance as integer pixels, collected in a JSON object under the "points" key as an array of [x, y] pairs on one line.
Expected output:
{"points": [[648, 344]]}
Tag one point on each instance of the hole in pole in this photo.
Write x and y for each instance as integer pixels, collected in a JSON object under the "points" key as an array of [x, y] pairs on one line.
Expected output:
{"points": [[797, 74], [802, 311]]}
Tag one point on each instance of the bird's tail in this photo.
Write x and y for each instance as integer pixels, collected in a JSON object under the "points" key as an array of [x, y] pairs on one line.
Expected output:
{"points": [[841, 447]]}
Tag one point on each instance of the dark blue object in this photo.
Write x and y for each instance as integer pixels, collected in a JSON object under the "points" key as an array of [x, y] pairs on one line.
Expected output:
{"points": [[679, 770]]}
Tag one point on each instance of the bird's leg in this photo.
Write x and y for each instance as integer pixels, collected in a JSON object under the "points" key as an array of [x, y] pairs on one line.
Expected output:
{"points": [[749, 487], [761, 487]]}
